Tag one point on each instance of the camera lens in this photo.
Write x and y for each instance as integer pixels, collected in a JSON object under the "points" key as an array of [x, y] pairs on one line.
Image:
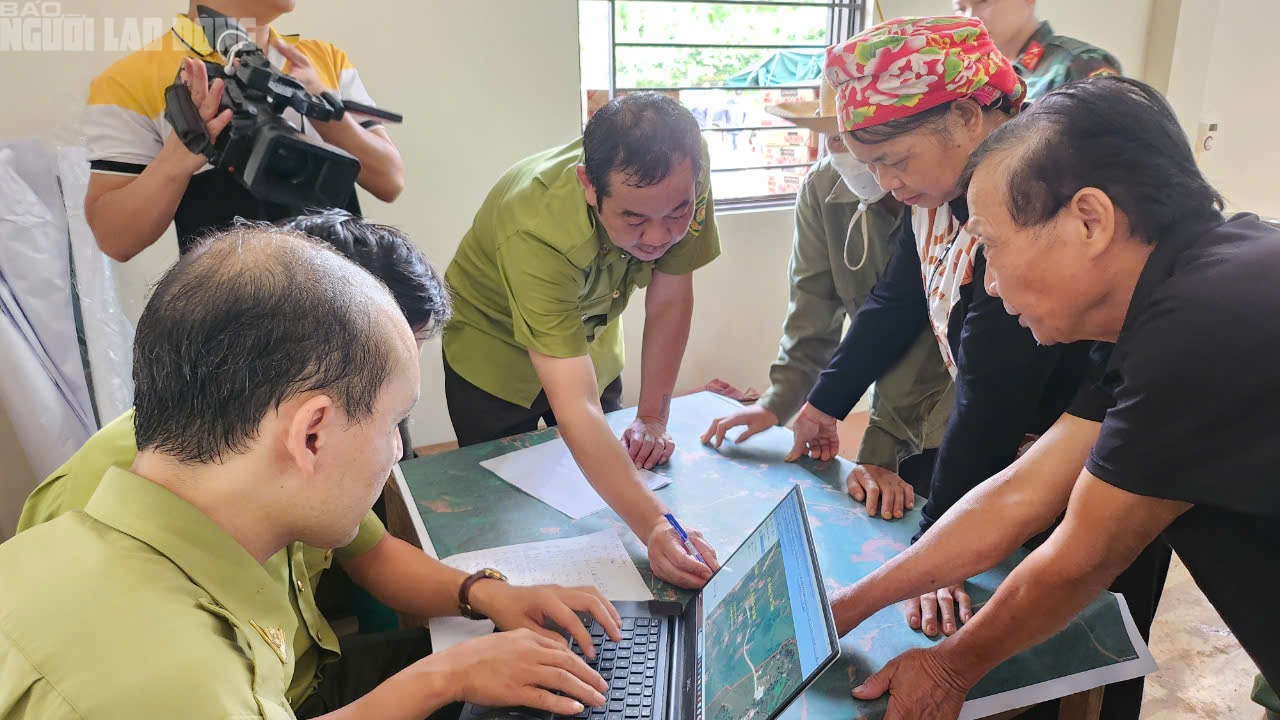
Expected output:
{"points": [[290, 164]]}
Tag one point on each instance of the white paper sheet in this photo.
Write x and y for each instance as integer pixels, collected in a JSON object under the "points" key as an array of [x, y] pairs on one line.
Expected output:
{"points": [[548, 472], [598, 559], [1144, 664]]}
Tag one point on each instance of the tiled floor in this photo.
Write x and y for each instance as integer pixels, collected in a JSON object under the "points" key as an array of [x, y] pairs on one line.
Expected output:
{"points": [[1203, 671]]}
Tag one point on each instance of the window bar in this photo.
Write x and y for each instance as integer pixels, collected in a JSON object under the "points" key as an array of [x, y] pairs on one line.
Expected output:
{"points": [[745, 128], [613, 52], [773, 46], [716, 87], [851, 26], [781, 200], [831, 24], [851, 4], [761, 167]]}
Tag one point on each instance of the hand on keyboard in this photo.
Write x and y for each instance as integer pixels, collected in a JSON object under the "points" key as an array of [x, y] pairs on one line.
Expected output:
{"points": [[631, 667], [521, 667], [535, 607]]}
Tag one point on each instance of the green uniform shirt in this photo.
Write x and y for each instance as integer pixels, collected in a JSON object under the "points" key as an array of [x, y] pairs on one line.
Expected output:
{"points": [[912, 401], [296, 569], [536, 271], [140, 606], [1050, 61]]}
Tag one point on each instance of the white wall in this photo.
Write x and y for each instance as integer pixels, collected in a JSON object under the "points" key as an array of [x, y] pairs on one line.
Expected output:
{"points": [[1119, 26], [740, 301], [482, 83], [1179, 50], [1240, 96]]}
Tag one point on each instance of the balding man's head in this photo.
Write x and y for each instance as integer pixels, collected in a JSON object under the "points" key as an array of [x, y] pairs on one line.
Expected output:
{"points": [[249, 319]]}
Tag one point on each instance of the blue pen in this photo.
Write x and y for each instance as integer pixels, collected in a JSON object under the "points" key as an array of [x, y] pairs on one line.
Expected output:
{"points": [[684, 537]]}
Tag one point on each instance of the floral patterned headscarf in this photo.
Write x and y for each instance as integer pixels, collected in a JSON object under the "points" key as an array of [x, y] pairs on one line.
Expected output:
{"points": [[908, 65]]}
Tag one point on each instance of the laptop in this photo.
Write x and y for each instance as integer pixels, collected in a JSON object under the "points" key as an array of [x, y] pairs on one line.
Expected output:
{"points": [[743, 648]]}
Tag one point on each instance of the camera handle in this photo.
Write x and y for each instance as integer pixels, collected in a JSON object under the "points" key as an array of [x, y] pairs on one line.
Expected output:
{"points": [[183, 115]]}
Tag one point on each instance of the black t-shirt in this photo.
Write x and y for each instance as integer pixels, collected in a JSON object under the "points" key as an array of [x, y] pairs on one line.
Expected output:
{"points": [[1190, 411], [214, 199], [1008, 386]]}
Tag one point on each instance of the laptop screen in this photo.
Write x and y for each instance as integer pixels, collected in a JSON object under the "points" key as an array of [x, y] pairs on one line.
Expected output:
{"points": [[764, 621]]}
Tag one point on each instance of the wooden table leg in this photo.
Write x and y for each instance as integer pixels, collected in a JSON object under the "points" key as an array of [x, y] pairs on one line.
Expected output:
{"points": [[401, 525], [1085, 705]]}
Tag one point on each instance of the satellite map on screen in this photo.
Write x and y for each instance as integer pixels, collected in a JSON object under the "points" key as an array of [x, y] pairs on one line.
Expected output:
{"points": [[750, 652]]}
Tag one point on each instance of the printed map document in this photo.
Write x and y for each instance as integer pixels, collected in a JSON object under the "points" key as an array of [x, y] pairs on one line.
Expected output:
{"points": [[548, 472], [598, 559]]}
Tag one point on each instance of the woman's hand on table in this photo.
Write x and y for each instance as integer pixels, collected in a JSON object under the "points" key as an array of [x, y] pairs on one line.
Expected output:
{"points": [[884, 492], [945, 610], [816, 435], [757, 418]]}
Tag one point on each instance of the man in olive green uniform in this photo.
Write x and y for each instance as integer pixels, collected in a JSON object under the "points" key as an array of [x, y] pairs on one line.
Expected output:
{"points": [[163, 597], [1043, 59], [539, 285], [297, 570], [837, 255], [420, 292]]}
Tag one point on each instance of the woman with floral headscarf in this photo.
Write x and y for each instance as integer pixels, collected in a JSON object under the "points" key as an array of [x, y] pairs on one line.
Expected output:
{"points": [[914, 97]]}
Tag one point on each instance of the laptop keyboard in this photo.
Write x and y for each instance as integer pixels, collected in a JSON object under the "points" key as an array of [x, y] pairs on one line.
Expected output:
{"points": [[631, 667]]}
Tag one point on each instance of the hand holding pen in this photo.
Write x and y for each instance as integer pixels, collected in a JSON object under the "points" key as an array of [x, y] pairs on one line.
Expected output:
{"points": [[681, 558]]}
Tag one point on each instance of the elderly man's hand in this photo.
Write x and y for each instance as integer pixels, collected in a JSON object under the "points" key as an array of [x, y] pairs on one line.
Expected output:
{"points": [[919, 684]]}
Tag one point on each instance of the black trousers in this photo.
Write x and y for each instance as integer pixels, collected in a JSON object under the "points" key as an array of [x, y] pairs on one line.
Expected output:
{"points": [[917, 470], [480, 417], [367, 660]]}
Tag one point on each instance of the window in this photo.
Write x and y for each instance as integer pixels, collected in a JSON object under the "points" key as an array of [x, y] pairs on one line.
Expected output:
{"points": [[725, 61]]}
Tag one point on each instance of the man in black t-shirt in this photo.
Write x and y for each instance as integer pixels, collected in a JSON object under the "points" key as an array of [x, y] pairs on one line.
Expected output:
{"points": [[1097, 225]]}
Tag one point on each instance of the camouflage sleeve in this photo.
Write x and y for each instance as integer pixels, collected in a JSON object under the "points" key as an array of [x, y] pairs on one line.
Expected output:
{"points": [[1095, 63]]}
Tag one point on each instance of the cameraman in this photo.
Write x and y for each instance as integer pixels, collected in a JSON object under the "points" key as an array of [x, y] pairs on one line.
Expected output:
{"points": [[143, 177]]}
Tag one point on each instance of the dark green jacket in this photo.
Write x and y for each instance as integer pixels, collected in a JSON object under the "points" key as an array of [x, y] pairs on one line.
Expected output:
{"points": [[911, 402]]}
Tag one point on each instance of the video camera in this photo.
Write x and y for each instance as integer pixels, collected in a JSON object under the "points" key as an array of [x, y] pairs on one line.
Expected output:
{"points": [[260, 148]]}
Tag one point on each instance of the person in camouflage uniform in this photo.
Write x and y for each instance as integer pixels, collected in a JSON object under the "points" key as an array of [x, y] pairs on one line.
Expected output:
{"points": [[1043, 59]]}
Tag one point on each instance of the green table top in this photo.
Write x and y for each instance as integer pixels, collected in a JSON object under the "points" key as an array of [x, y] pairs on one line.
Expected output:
{"points": [[725, 494]]}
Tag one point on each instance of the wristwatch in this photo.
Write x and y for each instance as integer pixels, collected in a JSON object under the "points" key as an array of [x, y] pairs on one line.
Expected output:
{"points": [[463, 604]]}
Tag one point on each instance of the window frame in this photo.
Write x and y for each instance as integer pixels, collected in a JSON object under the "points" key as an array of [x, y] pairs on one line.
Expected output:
{"points": [[845, 18]]}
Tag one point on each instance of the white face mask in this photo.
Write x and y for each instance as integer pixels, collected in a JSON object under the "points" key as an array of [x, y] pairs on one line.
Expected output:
{"points": [[858, 177]]}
